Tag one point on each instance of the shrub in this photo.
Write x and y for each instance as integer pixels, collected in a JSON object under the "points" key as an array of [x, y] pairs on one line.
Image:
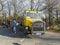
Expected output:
{"points": [[55, 27]]}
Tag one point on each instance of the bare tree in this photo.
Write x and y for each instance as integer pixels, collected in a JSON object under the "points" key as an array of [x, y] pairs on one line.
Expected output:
{"points": [[9, 9], [57, 11], [2, 9], [14, 3], [2, 5], [50, 6], [32, 2]]}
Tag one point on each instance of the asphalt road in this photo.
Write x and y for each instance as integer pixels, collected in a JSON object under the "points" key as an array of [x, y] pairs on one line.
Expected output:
{"points": [[7, 37]]}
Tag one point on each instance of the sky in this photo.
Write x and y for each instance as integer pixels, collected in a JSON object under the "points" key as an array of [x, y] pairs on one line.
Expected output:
{"points": [[24, 4]]}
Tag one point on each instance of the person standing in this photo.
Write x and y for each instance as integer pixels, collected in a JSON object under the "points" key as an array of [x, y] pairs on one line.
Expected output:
{"points": [[6, 24], [14, 26]]}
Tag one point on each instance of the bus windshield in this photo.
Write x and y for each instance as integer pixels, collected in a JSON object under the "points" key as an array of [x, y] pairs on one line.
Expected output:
{"points": [[33, 15]]}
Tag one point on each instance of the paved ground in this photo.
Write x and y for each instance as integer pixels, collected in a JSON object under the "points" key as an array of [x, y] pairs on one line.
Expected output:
{"points": [[7, 37]]}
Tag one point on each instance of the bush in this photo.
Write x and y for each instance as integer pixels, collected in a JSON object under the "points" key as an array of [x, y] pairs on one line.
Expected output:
{"points": [[55, 27]]}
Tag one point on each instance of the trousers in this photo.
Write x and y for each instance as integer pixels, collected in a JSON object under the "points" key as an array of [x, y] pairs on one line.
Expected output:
{"points": [[14, 29]]}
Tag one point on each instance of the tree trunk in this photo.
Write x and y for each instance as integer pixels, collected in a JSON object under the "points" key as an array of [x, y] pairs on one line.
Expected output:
{"points": [[57, 16], [31, 4], [49, 17]]}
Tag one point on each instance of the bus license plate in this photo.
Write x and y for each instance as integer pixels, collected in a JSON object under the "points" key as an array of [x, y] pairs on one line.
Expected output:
{"points": [[38, 33]]}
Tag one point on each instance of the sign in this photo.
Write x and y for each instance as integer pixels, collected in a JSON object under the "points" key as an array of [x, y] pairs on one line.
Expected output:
{"points": [[33, 11]]}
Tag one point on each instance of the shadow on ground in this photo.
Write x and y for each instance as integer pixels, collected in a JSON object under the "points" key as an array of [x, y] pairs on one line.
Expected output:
{"points": [[16, 44], [9, 33]]}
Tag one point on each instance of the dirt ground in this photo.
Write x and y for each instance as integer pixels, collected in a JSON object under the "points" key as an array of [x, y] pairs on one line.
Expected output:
{"points": [[7, 37]]}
